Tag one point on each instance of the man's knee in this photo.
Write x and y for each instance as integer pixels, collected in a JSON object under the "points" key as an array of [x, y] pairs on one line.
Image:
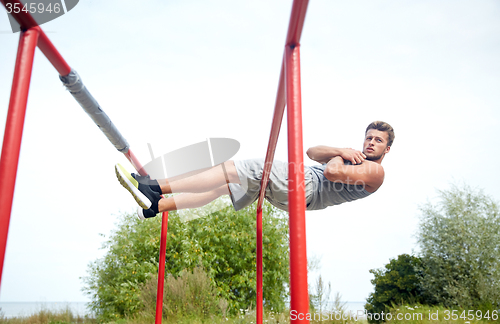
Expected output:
{"points": [[222, 190]]}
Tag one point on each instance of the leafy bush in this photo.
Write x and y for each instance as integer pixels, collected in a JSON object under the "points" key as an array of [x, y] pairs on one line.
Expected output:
{"points": [[223, 243], [396, 284], [460, 246], [191, 294], [228, 241]]}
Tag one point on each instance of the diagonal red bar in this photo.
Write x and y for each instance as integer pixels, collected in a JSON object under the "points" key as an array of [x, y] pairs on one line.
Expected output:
{"points": [[135, 162], [53, 55], [14, 132], [279, 110]]}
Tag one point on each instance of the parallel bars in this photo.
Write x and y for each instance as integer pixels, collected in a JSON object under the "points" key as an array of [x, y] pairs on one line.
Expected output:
{"points": [[289, 80]]}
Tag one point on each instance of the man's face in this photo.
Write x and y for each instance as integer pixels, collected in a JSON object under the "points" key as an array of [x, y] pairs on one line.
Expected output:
{"points": [[375, 145]]}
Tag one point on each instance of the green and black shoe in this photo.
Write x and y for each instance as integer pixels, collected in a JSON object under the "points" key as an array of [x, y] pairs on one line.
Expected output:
{"points": [[138, 186]]}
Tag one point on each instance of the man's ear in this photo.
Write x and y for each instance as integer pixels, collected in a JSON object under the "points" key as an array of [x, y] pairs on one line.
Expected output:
{"points": [[387, 149]]}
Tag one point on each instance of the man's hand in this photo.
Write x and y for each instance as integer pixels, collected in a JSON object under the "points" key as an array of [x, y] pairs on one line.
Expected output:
{"points": [[349, 154], [369, 174], [323, 154]]}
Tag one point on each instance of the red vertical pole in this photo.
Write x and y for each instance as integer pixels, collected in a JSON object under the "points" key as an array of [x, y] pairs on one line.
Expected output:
{"points": [[260, 300], [161, 268], [14, 131], [163, 243], [299, 303]]}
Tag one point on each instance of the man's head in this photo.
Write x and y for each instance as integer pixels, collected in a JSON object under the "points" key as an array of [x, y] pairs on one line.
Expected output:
{"points": [[379, 137]]}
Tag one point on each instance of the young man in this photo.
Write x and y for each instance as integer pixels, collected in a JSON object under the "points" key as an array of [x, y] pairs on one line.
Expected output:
{"points": [[344, 175]]}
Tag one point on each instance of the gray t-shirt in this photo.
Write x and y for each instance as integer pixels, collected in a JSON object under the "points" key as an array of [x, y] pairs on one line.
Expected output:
{"points": [[326, 193], [320, 192]]}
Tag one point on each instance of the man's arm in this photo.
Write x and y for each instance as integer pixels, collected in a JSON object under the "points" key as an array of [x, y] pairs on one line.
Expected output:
{"points": [[369, 174], [322, 154]]}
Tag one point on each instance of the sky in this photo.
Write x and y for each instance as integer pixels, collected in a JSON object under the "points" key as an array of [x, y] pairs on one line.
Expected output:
{"points": [[173, 73]]}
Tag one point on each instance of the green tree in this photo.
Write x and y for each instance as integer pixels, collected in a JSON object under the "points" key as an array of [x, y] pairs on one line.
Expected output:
{"points": [[223, 243], [459, 237], [396, 284]]}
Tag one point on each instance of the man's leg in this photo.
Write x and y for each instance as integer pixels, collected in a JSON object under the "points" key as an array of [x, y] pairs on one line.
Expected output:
{"points": [[206, 181], [201, 188], [191, 200]]}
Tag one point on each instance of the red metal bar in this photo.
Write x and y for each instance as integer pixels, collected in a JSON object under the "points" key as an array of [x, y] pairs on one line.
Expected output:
{"points": [[53, 55], [260, 296], [295, 26], [299, 9], [279, 109], [14, 132], [135, 162], [7, 186], [161, 268], [163, 244], [296, 189]]}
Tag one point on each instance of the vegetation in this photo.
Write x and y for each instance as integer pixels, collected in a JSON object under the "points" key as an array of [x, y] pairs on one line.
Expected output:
{"points": [[424, 314], [190, 295], [396, 284], [244, 317], [47, 316], [458, 269], [211, 271], [222, 243], [459, 238], [408, 314], [191, 298]]}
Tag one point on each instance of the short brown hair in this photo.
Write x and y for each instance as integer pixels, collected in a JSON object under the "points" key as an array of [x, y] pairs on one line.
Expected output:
{"points": [[383, 127]]}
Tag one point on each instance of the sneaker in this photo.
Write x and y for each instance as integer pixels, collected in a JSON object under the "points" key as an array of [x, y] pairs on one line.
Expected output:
{"points": [[138, 190], [145, 213]]}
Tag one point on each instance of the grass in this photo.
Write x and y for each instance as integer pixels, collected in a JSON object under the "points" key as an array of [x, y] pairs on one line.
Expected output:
{"points": [[245, 317], [47, 316], [421, 314], [407, 314]]}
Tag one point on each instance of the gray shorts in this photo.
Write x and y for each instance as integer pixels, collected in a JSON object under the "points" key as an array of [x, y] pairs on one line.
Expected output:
{"points": [[250, 174]]}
